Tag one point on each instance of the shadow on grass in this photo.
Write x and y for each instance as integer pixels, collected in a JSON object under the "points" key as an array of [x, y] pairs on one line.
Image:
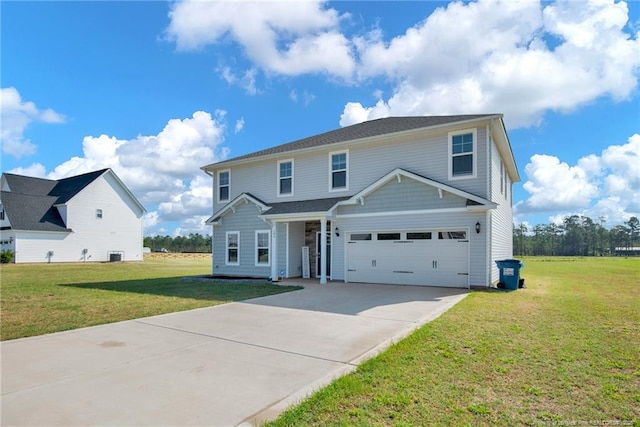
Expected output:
{"points": [[190, 287]]}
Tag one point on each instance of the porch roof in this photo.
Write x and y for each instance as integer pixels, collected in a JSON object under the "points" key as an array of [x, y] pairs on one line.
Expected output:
{"points": [[302, 207]]}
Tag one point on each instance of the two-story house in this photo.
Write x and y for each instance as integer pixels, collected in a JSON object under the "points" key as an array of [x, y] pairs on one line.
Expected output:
{"points": [[398, 200], [88, 217]]}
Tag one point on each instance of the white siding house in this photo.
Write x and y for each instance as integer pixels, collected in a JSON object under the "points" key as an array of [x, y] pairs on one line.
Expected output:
{"points": [[84, 218], [399, 200]]}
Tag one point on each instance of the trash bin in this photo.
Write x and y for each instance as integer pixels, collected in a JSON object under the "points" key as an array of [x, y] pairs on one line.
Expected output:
{"points": [[509, 273]]}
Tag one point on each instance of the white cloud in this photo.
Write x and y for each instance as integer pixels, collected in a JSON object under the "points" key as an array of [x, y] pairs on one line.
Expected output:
{"points": [[36, 170], [162, 170], [606, 185], [521, 58], [555, 185], [239, 125], [306, 98], [16, 115], [247, 81], [518, 58], [288, 38]]}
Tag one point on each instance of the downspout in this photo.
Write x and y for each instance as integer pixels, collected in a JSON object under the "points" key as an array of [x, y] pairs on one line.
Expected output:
{"points": [[489, 224]]}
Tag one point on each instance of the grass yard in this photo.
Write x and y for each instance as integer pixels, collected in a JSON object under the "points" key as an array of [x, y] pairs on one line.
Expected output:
{"points": [[37, 299], [563, 351]]}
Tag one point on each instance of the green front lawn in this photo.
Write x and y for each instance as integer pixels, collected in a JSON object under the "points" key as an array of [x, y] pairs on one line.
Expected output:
{"points": [[563, 351], [37, 299]]}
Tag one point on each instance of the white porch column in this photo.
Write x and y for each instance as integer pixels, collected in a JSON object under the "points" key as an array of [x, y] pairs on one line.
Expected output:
{"points": [[274, 253], [323, 251]]}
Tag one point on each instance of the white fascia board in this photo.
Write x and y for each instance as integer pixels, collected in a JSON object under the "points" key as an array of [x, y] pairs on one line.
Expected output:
{"points": [[232, 204], [127, 191], [501, 139], [401, 172]]}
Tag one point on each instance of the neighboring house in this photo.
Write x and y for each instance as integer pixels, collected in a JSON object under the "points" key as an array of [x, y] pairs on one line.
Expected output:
{"points": [[89, 217], [399, 200]]}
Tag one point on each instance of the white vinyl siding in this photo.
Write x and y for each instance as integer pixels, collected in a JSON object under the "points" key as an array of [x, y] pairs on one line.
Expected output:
{"points": [[463, 154], [339, 170], [119, 230], [263, 253], [224, 185], [501, 227], [233, 248], [285, 177]]}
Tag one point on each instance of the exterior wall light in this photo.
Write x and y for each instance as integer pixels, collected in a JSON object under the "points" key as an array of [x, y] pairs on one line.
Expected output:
{"points": [[337, 232], [478, 227]]}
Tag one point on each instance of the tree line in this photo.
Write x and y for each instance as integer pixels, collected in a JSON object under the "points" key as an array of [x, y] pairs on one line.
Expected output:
{"points": [[191, 243], [577, 235]]}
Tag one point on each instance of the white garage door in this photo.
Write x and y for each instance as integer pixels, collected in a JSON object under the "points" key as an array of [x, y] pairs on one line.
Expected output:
{"points": [[423, 257]]}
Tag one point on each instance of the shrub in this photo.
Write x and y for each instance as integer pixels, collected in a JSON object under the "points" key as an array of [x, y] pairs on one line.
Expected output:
{"points": [[6, 256]]}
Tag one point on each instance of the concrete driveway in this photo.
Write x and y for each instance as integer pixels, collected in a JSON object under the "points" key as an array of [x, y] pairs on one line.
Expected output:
{"points": [[233, 364]]}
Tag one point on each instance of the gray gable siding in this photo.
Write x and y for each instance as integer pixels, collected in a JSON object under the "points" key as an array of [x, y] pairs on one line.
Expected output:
{"points": [[406, 195], [367, 163], [246, 221]]}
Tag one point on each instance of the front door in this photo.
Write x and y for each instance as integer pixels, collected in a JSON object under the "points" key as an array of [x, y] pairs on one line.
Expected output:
{"points": [[318, 259]]}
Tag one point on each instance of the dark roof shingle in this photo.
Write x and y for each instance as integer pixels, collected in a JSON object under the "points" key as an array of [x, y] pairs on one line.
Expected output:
{"points": [[303, 206], [30, 205]]}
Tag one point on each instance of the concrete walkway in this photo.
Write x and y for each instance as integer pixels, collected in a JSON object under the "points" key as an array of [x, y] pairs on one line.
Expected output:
{"points": [[227, 365]]}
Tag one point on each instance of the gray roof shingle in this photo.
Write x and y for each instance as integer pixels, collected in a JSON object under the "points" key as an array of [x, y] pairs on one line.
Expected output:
{"points": [[303, 206], [30, 205], [367, 129]]}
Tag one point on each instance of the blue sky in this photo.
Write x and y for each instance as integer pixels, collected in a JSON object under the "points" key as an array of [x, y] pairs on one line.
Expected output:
{"points": [[155, 90]]}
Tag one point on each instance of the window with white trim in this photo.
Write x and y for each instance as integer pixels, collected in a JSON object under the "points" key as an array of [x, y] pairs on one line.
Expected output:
{"points": [[339, 171], [233, 248], [285, 178], [462, 154], [224, 185], [263, 239]]}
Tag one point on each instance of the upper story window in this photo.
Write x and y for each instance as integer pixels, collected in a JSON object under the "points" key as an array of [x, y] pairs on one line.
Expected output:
{"points": [[99, 213], [462, 154], [224, 185], [339, 171], [285, 178], [502, 180], [1, 214]]}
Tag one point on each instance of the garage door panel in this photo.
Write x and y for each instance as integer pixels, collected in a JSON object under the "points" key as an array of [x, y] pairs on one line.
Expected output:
{"points": [[426, 262]]}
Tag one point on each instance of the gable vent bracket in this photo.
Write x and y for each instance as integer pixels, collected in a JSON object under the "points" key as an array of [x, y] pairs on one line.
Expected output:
{"points": [[399, 177]]}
